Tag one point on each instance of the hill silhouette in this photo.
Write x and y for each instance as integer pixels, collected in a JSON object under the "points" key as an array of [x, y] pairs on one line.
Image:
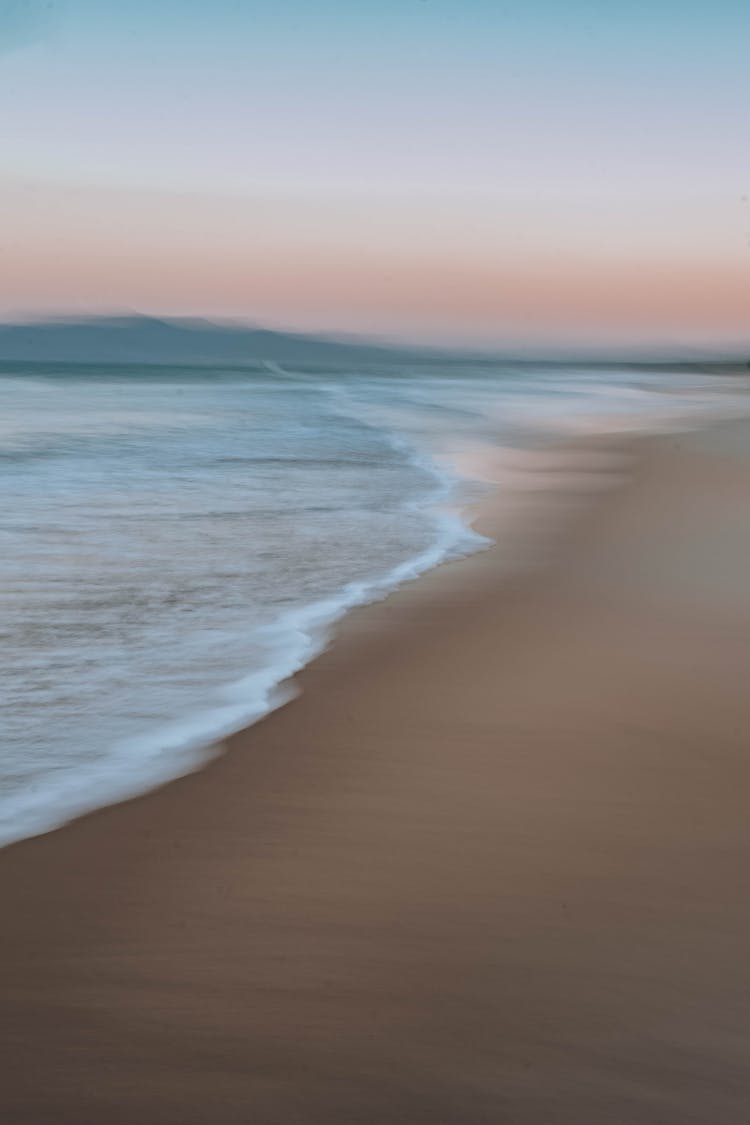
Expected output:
{"points": [[149, 340]]}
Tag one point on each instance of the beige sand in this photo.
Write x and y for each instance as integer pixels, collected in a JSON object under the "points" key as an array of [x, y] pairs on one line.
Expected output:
{"points": [[491, 866]]}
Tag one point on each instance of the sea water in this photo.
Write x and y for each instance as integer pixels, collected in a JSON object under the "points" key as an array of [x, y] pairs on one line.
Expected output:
{"points": [[176, 542]]}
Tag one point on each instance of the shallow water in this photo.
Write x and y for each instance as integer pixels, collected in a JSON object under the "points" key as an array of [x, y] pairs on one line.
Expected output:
{"points": [[176, 542]]}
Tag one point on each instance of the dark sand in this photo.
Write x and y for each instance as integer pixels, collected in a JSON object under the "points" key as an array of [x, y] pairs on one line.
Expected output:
{"points": [[491, 866]]}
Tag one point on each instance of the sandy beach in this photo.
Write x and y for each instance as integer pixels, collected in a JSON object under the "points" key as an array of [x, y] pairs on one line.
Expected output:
{"points": [[488, 867]]}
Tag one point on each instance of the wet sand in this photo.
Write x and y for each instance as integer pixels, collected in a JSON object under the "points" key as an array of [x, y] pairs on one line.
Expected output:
{"points": [[489, 867]]}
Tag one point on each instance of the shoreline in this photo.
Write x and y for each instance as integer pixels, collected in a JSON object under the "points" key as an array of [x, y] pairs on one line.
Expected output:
{"points": [[487, 866], [194, 740], [504, 511]]}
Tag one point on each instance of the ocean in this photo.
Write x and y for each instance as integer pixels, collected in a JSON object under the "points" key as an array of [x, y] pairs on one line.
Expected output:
{"points": [[176, 542]]}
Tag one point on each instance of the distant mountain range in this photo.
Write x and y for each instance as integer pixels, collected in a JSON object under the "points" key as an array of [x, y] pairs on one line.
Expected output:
{"points": [[180, 341], [147, 340]]}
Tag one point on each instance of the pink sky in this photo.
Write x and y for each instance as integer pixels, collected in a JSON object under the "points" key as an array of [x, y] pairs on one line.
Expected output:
{"points": [[460, 268]]}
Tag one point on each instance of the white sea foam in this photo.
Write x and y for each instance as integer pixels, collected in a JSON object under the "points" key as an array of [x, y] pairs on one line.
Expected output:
{"points": [[135, 765]]}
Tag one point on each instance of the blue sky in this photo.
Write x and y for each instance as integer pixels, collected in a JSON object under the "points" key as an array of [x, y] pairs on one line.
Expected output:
{"points": [[476, 94]]}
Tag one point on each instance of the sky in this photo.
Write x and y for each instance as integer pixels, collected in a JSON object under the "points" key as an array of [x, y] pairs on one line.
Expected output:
{"points": [[511, 172]]}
